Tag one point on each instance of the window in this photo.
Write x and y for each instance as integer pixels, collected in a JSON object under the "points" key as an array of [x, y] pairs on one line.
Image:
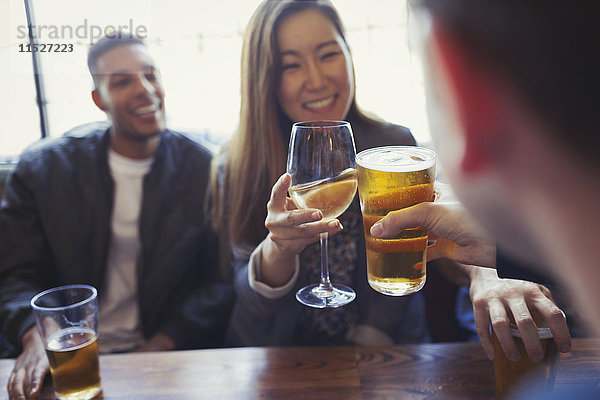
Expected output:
{"points": [[197, 46], [19, 118]]}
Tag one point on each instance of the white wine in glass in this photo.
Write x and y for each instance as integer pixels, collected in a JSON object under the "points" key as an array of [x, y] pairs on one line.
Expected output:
{"points": [[321, 162]]}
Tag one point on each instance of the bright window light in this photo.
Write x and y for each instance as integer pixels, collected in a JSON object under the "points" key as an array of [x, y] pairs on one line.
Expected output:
{"points": [[197, 46]]}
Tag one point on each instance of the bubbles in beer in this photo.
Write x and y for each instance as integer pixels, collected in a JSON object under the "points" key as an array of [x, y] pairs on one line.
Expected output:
{"points": [[391, 178]]}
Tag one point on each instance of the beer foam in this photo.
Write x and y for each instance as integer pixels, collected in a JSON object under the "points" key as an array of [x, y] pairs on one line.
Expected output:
{"points": [[396, 158]]}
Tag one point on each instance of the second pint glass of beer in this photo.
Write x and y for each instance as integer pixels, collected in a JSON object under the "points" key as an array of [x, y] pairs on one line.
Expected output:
{"points": [[391, 178], [527, 378], [67, 319]]}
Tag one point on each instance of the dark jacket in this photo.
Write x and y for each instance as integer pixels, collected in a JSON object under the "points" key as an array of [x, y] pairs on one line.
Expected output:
{"points": [[55, 227]]}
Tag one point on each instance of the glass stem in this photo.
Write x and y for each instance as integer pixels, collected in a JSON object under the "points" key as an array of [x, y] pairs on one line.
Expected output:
{"points": [[325, 282]]}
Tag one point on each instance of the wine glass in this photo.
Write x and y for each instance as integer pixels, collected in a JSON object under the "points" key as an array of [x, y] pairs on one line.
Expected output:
{"points": [[321, 162]]}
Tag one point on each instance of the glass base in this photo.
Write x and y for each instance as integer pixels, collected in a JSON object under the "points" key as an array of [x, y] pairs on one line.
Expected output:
{"points": [[318, 296], [397, 287], [86, 394]]}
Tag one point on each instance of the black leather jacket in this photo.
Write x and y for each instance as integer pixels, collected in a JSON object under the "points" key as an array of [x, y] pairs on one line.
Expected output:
{"points": [[55, 229]]}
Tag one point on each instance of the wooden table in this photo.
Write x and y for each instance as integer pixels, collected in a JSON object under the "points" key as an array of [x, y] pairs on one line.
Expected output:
{"points": [[429, 371]]}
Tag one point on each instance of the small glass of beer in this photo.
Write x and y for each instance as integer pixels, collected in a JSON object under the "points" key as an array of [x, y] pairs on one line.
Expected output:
{"points": [[525, 376], [391, 178], [67, 319]]}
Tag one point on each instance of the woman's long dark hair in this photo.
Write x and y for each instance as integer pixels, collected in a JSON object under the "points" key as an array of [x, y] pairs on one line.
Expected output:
{"points": [[256, 155]]}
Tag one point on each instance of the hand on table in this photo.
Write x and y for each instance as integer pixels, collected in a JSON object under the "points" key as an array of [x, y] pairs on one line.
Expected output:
{"points": [[494, 298], [31, 367], [459, 238], [290, 231]]}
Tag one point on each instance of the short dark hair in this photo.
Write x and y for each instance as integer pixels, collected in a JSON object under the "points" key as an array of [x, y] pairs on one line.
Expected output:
{"points": [[108, 43], [546, 49]]}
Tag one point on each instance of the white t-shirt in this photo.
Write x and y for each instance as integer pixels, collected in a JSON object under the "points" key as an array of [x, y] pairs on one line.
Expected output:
{"points": [[119, 325]]}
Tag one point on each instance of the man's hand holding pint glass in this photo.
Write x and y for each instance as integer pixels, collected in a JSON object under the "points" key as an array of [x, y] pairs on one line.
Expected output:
{"points": [[459, 238], [391, 178]]}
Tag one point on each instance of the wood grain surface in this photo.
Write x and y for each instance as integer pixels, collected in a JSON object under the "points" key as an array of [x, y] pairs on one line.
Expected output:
{"points": [[424, 372], [433, 371]]}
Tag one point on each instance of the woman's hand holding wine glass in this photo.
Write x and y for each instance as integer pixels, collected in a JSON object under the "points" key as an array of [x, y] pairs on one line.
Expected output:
{"points": [[290, 231]]}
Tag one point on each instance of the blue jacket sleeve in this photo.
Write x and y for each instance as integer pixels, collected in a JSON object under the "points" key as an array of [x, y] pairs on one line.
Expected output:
{"points": [[257, 320]]}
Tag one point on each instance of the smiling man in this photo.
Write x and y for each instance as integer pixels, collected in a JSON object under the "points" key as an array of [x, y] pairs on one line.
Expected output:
{"points": [[119, 208], [129, 90]]}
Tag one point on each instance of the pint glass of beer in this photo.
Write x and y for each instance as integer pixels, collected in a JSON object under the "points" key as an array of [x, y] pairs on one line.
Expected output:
{"points": [[67, 319], [524, 376], [391, 178]]}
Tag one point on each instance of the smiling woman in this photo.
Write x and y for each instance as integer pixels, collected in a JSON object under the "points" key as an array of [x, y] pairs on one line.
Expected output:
{"points": [[317, 80], [296, 66]]}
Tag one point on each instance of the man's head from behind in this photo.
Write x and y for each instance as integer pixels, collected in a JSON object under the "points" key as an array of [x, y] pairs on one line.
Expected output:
{"points": [[515, 83], [546, 52], [127, 86]]}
